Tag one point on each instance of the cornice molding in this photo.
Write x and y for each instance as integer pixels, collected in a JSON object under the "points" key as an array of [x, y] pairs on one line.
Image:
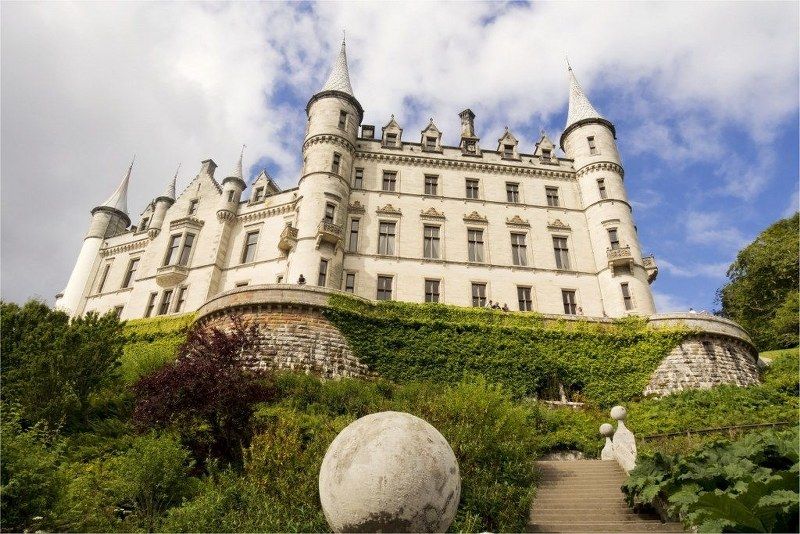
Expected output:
{"points": [[267, 212], [186, 222], [140, 244], [601, 166], [329, 138]]}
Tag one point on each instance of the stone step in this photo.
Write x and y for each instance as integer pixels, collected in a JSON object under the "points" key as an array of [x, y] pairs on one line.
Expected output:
{"points": [[549, 484], [581, 493], [549, 515], [615, 526], [581, 511]]}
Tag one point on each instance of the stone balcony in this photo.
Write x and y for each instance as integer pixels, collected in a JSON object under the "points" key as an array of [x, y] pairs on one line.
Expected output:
{"points": [[650, 266], [288, 238], [171, 275], [619, 257], [329, 233]]}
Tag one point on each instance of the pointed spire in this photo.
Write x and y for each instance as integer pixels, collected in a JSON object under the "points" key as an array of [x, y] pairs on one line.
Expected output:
{"points": [[579, 106], [169, 192], [339, 78], [119, 198], [239, 166]]}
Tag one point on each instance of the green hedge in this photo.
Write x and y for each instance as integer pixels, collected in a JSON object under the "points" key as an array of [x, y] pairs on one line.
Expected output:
{"points": [[151, 343], [601, 363]]}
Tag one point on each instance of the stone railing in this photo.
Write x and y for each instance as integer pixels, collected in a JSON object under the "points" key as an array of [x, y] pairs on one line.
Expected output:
{"points": [[619, 256], [288, 238], [170, 275], [620, 443], [650, 266], [329, 232]]}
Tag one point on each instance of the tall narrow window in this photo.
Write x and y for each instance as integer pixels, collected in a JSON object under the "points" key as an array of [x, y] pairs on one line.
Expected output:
{"points": [[132, 266], [472, 188], [230, 195], [508, 151], [386, 238], [103, 278], [258, 194], [342, 119], [350, 282], [592, 145], [384, 288], [475, 245], [172, 250], [512, 192], [561, 252], [193, 206], [519, 250], [570, 304], [478, 295], [389, 180], [181, 299], [431, 290], [524, 298], [552, 196], [151, 304], [166, 298], [601, 188], [186, 251], [330, 212], [353, 247], [249, 250], [431, 242], [431, 184], [613, 238], [626, 296], [358, 181], [323, 273], [337, 158]]}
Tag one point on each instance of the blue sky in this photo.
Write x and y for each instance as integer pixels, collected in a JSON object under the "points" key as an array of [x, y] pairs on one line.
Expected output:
{"points": [[704, 97]]}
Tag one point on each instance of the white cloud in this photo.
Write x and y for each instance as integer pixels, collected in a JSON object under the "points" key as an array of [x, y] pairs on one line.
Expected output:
{"points": [[709, 270], [794, 205], [710, 228], [669, 303]]}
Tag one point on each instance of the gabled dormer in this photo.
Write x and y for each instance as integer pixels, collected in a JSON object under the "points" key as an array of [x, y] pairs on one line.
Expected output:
{"points": [[262, 187], [469, 141], [507, 146], [145, 217], [431, 138], [545, 150], [392, 135]]}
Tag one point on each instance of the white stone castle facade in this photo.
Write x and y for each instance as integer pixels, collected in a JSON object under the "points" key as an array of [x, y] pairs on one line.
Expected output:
{"points": [[386, 217]]}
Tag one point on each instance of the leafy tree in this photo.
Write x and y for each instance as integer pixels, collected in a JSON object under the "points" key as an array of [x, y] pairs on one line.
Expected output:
{"points": [[762, 294], [206, 394], [52, 365]]}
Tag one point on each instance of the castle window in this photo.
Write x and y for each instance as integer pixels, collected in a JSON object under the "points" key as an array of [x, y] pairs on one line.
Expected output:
{"points": [[519, 250], [353, 246], [384, 288], [561, 252], [570, 304], [508, 151], [186, 250], [524, 298], [181, 299], [358, 181], [258, 194], [626, 296], [475, 245], [132, 266], [547, 153], [172, 250], [431, 242], [143, 224], [350, 282], [478, 295], [512, 192], [367, 132], [166, 298], [230, 196], [343, 120], [431, 184], [386, 232], [613, 238], [330, 212], [118, 311], [245, 283], [552, 196], [249, 250], [337, 158], [472, 188], [430, 142], [592, 146], [151, 304], [323, 273], [601, 188], [431, 290], [391, 139], [193, 206], [103, 278], [389, 180]]}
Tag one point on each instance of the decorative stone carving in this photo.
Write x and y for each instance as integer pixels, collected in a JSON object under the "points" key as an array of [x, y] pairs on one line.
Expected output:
{"points": [[516, 220], [388, 209], [475, 217], [431, 213], [624, 442], [558, 225], [356, 207], [606, 430]]}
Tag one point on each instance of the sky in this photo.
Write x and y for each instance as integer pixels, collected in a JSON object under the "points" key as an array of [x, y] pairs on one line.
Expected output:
{"points": [[704, 97]]}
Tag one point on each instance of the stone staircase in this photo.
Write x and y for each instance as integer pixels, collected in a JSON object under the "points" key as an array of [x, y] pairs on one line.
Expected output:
{"points": [[585, 496]]}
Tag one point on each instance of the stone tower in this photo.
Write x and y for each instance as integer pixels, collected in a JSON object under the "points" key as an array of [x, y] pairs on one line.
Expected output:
{"points": [[334, 117], [108, 219], [590, 140]]}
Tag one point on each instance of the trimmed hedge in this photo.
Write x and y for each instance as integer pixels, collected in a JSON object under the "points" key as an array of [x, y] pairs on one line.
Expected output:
{"points": [[601, 363], [151, 343]]}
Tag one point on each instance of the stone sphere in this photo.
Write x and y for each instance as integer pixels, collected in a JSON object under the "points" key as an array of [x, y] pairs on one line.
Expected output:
{"points": [[606, 430], [619, 413], [389, 472]]}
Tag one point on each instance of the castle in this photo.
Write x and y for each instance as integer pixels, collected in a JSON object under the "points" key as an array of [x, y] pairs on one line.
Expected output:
{"points": [[385, 217]]}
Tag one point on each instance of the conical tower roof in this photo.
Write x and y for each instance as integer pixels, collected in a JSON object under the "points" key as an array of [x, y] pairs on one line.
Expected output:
{"points": [[119, 198], [339, 77], [579, 106], [169, 192]]}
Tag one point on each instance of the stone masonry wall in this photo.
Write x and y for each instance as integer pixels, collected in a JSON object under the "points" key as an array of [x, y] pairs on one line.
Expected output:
{"points": [[704, 361]]}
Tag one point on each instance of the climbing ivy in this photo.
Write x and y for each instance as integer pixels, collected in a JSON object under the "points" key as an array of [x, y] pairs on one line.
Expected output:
{"points": [[151, 343], [603, 363]]}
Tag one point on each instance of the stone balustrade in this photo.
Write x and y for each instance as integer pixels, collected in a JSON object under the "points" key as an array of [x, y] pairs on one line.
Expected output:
{"points": [[329, 232], [288, 238], [620, 443], [619, 256]]}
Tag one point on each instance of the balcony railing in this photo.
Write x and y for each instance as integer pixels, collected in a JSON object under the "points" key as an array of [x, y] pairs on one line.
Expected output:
{"points": [[171, 275], [650, 266], [619, 256], [288, 238], [329, 233]]}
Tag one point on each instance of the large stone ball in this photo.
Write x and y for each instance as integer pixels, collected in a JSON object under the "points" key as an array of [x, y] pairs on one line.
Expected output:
{"points": [[619, 413], [389, 472], [606, 430]]}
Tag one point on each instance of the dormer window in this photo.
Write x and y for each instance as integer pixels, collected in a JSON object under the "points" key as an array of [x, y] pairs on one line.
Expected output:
{"points": [[258, 194], [547, 154], [430, 142], [508, 151], [391, 139], [193, 206], [367, 132], [343, 120]]}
